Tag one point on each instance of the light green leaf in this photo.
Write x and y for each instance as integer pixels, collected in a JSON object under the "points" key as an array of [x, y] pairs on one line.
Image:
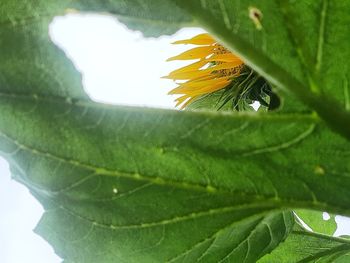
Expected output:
{"points": [[133, 184], [303, 246], [314, 219]]}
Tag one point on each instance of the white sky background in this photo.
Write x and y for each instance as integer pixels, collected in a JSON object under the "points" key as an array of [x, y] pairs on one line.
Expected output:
{"points": [[119, 66]]}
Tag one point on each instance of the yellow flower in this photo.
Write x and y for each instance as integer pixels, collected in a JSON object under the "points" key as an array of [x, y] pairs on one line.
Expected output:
{"points": [[215, 69]]}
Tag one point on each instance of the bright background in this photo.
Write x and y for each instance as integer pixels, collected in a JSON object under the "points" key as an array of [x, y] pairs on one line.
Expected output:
{"points": [[118, 66]]}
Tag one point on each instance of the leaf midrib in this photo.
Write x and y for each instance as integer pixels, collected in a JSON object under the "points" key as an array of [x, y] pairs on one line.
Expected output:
{"points": [[176, 219]]}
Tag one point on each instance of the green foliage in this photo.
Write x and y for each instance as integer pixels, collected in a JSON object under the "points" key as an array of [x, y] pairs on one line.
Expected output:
{"points": [[314, 220], [304, 246], [292, 49], [122, 184]]}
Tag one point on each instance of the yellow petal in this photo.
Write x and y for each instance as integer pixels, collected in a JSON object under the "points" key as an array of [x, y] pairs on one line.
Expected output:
{"points": [[214, 87], [202, 78], [228, 57], [194, 53], [187, 102], [184, 100], [203, 72], [193, 85], [201, 39], [209, 89], [190, 75], [192, 67], [181, 100], [203, 88]]}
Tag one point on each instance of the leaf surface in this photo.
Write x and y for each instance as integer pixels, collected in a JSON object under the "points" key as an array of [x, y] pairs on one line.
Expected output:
{"points": [[129, 184], [304, 246], [166, 180], [314, 219]]}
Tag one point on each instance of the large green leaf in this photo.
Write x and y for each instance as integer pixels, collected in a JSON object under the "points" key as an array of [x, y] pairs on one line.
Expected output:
{"points": [[263, 163], [162, 182], [150, 218], [133, 184], [304, 246]]}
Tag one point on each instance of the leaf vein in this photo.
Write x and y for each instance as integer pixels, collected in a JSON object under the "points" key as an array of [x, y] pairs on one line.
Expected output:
{"points": [[321, 35], [173, 220]]}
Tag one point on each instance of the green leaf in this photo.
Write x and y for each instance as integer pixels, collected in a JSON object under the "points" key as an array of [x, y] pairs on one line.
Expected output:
{"points": [[30, 63], [181, 177], [204, 236], [150, 218], [133, 184], [198, 148], [315, 221], [152, 17], [310, 32], [296, 48], [303, 246]]}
